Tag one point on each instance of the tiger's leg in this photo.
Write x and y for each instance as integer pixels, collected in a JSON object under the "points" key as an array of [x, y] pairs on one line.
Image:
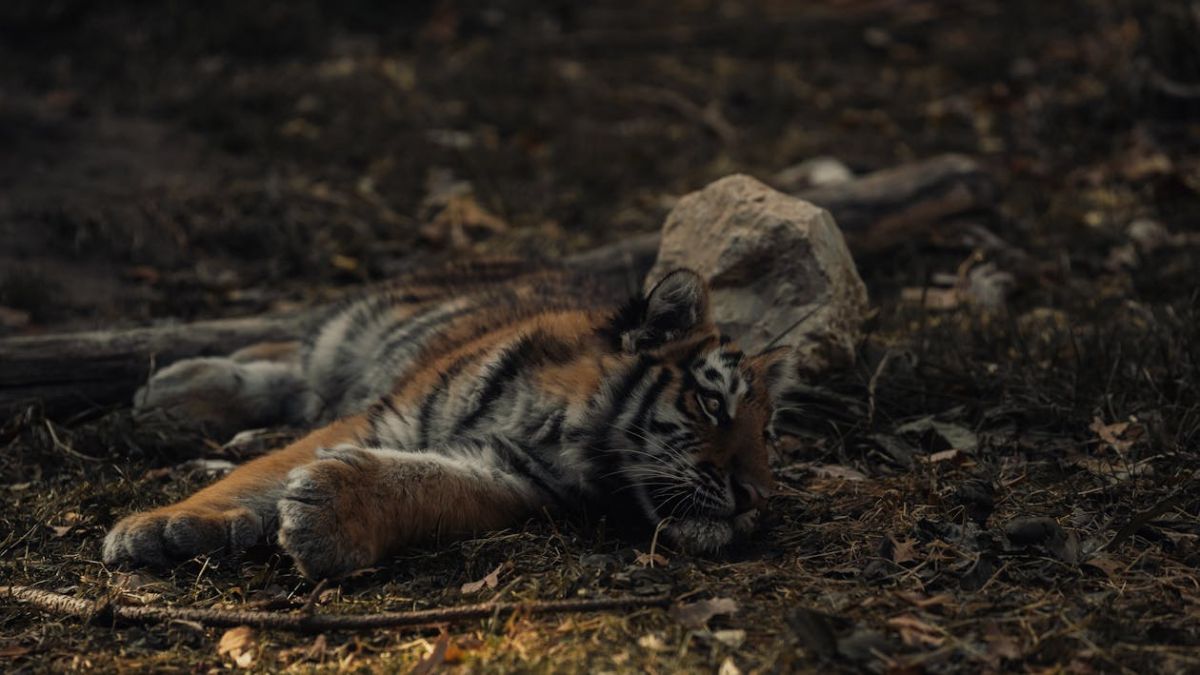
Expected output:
{"points": [[354, 506], [261, 385], [231, 514]]}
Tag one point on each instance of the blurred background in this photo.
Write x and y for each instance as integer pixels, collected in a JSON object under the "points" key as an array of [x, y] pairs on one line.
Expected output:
{"points": [[190, 159]]}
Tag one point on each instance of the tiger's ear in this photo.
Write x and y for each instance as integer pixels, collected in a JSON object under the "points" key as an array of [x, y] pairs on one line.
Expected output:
{"points": [[676, 307]]}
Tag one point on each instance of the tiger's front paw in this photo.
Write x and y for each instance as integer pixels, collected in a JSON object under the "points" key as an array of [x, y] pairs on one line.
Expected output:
{"points": [[325, 516], [171, 534]]}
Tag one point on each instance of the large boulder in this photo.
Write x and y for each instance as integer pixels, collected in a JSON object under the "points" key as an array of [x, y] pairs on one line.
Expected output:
{"points": [[778, 267]]}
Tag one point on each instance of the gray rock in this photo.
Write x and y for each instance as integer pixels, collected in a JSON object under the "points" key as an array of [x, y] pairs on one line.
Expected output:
{"points": [[777, 266]]}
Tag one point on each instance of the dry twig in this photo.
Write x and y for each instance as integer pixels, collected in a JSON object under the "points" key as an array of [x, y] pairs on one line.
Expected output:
{"points": [[106, 612]]}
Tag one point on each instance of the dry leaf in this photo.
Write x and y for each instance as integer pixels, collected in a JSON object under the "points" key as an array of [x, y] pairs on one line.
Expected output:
{"points": [[937, 299], [651, 559], [344, 262], [454, 654], [436, 656], [732, 638], [316, 651], [460, 216], [728, 667], [13, 652], [14, 318], [653, 642], [921, 601], [1111, 567], [943, 456], [838, 471], [695, 615], [955, 437], [490, 581], [915, 632], [904, 551], [1001, 645], [1111, 434], [240, 645]]}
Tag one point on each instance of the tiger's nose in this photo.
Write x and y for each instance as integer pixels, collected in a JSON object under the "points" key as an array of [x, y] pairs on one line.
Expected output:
{"points": [[748, 495]]}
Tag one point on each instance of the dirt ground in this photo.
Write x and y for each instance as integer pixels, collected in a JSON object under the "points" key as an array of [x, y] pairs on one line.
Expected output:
{"points": [[1000, 485]]}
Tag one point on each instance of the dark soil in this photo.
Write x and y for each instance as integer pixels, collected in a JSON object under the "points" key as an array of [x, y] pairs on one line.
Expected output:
{"points": [[1001, 488]]}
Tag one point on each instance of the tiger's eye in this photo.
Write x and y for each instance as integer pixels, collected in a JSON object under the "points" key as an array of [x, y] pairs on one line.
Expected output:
{"points": [[712, 405]]}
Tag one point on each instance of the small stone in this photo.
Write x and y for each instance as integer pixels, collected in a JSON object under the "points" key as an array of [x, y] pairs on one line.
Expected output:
{"points": [[812, 173], [778, 267]]}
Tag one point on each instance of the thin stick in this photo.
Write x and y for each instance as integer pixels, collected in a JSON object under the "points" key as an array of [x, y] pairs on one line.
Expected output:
{"points": [[106, 612]]}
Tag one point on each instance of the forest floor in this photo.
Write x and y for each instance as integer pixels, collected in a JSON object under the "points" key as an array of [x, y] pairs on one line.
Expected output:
{"points": [[991, 488]]}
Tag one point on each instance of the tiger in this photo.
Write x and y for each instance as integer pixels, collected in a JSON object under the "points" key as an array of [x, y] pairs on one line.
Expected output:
{"points": [[454, 410]]}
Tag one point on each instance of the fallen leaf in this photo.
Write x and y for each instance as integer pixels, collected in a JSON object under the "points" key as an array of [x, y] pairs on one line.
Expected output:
{"points": [[954, 436], [838, 471], [490, 581], [436, 656], [651, 559], [728, 667], [936, 299], [457, 216], [240, 645], [1111, 567], [13, 652], [1113, 471], [344, 262], [904, 551], [1000, 644], [915, 632], [921, 601], [1111, 434], [316, 651], [653, 642], [695, 615], [943, 456], [14, 318], [732, 638]]}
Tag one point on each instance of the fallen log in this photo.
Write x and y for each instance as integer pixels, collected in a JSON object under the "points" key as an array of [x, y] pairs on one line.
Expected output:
{"points": [[67, 373]]}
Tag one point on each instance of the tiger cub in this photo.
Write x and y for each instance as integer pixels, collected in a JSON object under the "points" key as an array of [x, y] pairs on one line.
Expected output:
{"points": [[444, 415]]}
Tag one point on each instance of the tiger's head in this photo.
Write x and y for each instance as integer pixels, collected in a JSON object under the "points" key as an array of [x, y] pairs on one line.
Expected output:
{"points": [[689, 423]]}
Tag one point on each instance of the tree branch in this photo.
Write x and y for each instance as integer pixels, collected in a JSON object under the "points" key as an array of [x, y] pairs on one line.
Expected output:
{"points": [[302, 622]]}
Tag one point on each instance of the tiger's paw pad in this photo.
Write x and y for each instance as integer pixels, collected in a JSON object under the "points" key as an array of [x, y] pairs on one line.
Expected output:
{"points": [[323, 516], [158, 538]]}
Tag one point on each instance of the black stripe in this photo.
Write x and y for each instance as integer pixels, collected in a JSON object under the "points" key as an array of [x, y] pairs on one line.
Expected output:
{"points": [[414, 329], [692, 354], [530, 351], [522, 462], [617, 399], [431, 400], [649, 399], [664, 428]]}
